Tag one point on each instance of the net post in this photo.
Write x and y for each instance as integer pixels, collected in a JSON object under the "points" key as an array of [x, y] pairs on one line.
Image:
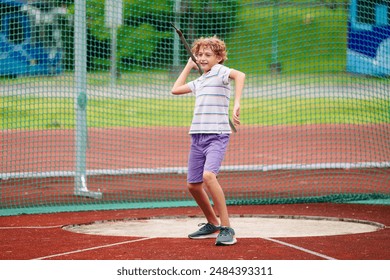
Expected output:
{"points": [[81, 137], [275, 66], [176, 40]]}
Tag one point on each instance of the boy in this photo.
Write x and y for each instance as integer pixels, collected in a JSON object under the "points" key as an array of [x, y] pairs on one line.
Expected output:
{"points": [[210, 132]]}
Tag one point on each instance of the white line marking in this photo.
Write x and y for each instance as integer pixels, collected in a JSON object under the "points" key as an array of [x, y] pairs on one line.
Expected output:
{"points": [[92, 248], [300, 248]]}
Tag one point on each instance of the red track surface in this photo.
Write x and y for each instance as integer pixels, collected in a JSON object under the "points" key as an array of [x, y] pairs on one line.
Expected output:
{"points": [[42, 237]]}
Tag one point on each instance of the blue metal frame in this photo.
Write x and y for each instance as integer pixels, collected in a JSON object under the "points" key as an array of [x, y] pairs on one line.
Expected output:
{"points": [[24, 57], [368, 49]]}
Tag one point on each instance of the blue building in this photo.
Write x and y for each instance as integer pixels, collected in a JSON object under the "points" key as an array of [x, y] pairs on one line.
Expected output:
{"points": [[369, 37], [30, 39]]}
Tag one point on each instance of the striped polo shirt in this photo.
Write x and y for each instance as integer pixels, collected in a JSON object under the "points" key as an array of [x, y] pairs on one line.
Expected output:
{"points": [[212, 91]]}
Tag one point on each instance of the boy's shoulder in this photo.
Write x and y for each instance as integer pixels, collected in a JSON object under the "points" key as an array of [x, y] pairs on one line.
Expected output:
{"points": [[218, 69]]}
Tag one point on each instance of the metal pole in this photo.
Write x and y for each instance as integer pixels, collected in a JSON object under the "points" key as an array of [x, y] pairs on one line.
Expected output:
{"points": [[113, 55], [80, 46], [275, 65], [176, 40]]}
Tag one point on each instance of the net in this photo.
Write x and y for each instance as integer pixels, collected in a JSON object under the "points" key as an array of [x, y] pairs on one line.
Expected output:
{"points": [[88, 121]]}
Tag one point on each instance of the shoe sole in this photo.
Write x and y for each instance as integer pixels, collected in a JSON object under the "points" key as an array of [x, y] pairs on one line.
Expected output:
{"points": [[212, 235], [221, 243]]}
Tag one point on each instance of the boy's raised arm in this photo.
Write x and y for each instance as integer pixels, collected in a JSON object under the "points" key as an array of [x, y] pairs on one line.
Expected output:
{"points": [[180, 86]]}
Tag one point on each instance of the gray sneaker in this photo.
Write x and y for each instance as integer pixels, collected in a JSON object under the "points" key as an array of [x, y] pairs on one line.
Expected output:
{"points": [[206, 231], [226, 237]]}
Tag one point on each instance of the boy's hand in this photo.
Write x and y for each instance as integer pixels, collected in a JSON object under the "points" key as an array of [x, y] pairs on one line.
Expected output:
{"points": [[192, 64], [236, 114]]}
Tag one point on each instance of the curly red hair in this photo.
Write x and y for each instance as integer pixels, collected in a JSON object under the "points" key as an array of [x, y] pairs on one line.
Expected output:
{"points": [[214, 43]]}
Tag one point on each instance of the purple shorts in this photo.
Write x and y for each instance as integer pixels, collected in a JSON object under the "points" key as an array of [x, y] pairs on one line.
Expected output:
{"points": [[206, 154]]}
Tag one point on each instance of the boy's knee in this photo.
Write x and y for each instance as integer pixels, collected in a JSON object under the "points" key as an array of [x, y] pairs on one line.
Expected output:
{"points": [[190, 186], [194, 187], [208, 176]]}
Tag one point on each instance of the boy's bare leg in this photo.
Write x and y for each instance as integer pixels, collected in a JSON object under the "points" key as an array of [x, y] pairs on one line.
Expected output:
{"points": [[216, 192], [203, 201]]}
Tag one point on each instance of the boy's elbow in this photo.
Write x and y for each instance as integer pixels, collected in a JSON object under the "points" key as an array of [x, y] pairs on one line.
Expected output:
{"points": [[238, 75], [178, 91], [243, 76]]}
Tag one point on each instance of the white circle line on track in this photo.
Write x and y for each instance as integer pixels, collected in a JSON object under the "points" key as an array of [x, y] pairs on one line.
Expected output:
{"points": [[245, 227]]}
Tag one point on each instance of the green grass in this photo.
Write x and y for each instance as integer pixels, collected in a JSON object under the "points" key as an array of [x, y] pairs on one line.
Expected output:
{"points": [[53, 113], [301, 111], [56, 113], [308, 39]]}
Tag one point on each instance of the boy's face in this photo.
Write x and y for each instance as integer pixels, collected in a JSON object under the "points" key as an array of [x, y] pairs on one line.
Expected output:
{"points": [[206, 58]]}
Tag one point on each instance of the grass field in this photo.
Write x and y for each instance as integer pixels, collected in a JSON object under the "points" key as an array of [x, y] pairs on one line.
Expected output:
{"points": [[46, 103], [52, 113], [303, 38]]}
